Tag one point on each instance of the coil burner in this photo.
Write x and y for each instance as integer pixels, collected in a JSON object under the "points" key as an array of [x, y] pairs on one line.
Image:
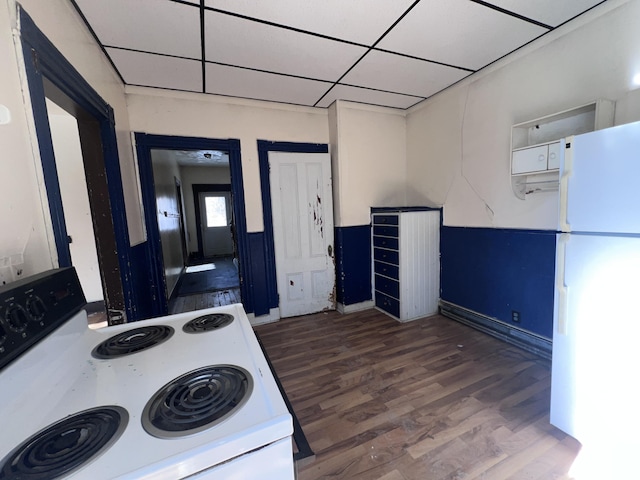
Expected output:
{"points": [[66, 445], [207, 323], [197, 401], [132, 341]]}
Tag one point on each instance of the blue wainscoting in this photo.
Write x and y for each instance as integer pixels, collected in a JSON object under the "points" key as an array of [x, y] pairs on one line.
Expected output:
{"points": [[261, 289], [496, 271], [353, 264]]}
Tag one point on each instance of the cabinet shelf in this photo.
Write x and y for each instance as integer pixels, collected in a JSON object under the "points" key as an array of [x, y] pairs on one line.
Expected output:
{"points": [[537, 145]]}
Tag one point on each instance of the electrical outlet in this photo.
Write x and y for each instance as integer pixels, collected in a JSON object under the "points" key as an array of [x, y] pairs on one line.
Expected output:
{"points": [[515, 316]]}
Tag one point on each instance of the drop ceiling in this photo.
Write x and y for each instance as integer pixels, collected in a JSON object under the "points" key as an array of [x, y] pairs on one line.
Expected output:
{"points": [[391, 53]]}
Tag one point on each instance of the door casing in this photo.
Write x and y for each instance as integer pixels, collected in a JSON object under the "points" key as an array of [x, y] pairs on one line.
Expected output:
{"points": [[264, 147], [144, 144], [50, 74]]}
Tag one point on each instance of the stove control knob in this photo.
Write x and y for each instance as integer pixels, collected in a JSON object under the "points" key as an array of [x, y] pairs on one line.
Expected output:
{"points": [[36, 307], [16, 317]]}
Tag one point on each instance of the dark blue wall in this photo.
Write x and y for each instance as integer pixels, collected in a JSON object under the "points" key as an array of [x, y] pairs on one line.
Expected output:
{"points": [[145, 303], [494, 271], [259, 278], [353, 264]]}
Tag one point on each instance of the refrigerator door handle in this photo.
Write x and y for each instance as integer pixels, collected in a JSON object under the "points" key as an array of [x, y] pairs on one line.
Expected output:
{"points": [[566, 170], [563, 290]]}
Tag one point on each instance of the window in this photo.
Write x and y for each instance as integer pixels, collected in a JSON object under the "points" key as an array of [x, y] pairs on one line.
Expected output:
{"points": [[216, 207]]}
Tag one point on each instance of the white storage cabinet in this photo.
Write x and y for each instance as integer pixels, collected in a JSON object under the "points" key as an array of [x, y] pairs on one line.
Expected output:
{"points": [[537, 145], [406, 262]]}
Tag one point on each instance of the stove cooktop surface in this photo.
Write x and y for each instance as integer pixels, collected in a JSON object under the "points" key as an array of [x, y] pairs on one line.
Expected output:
{"points": [[68, 380]]}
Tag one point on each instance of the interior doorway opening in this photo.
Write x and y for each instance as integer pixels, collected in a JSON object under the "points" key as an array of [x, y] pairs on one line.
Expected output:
{"points": [[65, 137], [196, 224], [76, 182]]}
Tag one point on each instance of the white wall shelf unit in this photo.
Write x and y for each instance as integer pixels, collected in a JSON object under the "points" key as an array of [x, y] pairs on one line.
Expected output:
{"points": [[406, 261], [537, 145]]}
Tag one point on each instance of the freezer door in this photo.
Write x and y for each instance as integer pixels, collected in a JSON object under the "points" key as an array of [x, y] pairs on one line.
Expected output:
{"points": [[596, 323], [563, 365], [600, 181]]}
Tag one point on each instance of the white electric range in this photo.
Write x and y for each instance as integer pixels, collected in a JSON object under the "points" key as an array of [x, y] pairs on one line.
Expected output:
{"points": [[187, 395]]}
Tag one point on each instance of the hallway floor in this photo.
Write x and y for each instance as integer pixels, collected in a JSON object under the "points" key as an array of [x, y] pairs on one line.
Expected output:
{"points": [[189, 303]]}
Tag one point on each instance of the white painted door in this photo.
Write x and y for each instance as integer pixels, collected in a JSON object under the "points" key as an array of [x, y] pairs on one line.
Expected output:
{"points": [[215, 210], [302, 209]]}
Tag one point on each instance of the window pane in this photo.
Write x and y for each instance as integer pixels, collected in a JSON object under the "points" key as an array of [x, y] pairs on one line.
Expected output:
{"points": [[216, 211]]}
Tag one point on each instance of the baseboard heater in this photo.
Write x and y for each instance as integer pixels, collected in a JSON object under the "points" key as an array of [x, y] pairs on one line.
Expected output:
{"points": [[304, 453], [521, 338]]}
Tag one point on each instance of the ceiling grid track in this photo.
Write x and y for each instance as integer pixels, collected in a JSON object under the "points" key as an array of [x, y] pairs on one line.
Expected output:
{"points": [[203, 47], [314, 54], [369, 50]]}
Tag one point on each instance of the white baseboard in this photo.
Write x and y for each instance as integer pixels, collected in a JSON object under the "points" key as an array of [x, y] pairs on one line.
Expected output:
{"points": [[355, 307], [272, 316]]}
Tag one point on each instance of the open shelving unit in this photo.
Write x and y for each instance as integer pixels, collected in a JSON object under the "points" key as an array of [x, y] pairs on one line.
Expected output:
{"points": [[537, 145]]}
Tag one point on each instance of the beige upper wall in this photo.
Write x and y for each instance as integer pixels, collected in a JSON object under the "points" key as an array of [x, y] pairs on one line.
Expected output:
{"points": [[369, 166], [23, 203], [59, 21], [25, 231], [161, 112], [459, 141]]}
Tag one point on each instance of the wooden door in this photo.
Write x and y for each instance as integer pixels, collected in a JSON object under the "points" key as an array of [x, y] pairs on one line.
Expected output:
{"points": [[302, 209]]}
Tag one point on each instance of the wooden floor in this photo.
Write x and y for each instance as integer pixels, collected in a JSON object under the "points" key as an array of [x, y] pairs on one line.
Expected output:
{"points": [[189, 303], [430, 399]]}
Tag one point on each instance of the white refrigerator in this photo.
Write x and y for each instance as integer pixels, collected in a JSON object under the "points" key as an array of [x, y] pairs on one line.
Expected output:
{"points": [[595, 389]]}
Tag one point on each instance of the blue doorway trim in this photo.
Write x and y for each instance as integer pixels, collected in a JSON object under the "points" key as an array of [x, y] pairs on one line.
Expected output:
{"points": [[44, 63], [264, 147], [144, 144]]}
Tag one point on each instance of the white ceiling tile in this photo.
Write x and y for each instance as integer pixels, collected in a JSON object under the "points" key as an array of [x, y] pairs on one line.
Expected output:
{"points": [[157, 71], [461, 33], [235, 41], [149, 25], [395, 73], [372, 97], [458, 32], [549, 12], [240, 82], [360, 21]]}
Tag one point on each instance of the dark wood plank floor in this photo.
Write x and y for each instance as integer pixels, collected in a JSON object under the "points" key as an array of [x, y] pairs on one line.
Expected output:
{"points": [[189, 303], [430, 399]]}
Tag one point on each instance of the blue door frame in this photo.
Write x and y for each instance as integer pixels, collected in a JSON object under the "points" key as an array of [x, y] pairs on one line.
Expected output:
{"points": [[264, 147], [43, 62], [144, 144]]}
